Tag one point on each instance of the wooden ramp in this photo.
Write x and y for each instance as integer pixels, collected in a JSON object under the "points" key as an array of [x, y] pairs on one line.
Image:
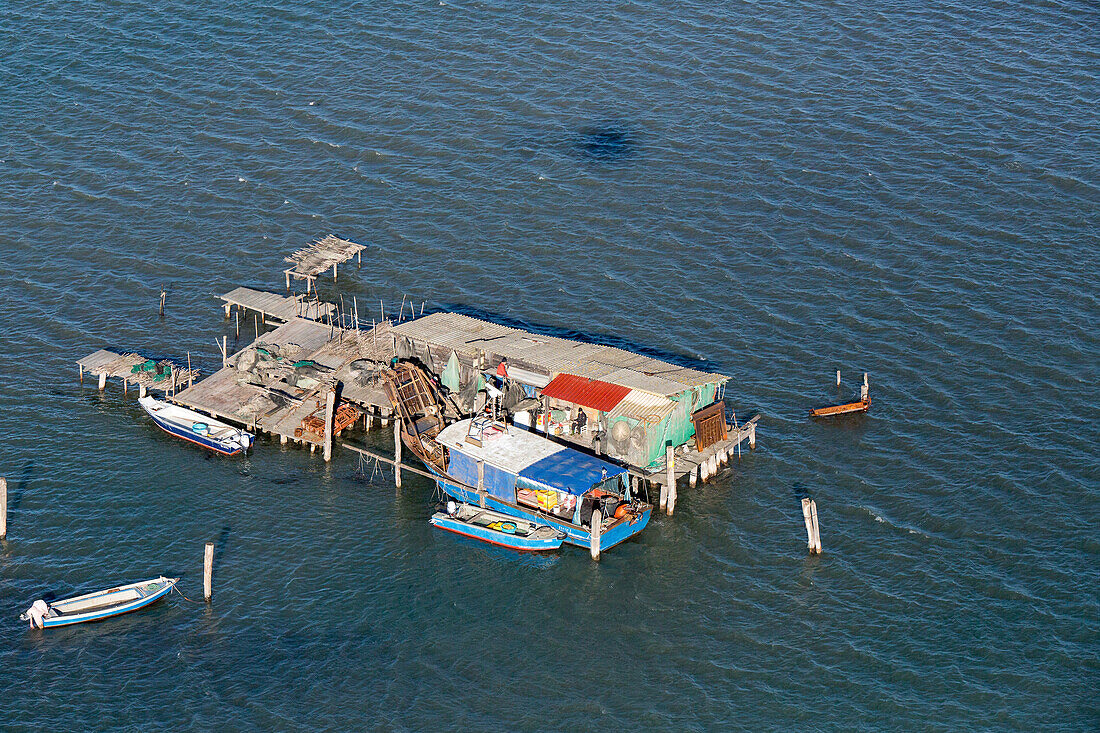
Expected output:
{"points": [[275, 307]]}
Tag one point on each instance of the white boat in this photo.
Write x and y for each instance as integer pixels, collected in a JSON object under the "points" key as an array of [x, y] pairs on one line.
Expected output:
{"points": [[197, 428], [98, 605]]}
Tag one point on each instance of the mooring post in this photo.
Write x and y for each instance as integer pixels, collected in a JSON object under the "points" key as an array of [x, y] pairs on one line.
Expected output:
{"points": [[208, 572], [594, 534], [397, 451], [142, 391], [838, 377], [752, 436], [190, 374], [162, 294], [102, 381], [809, 515], [286, 275], [670, 474], [693, 477], [81, 373], [3, 508], [330, 411], [864, 391], [672, 496], [481, 483], [237, 323]]}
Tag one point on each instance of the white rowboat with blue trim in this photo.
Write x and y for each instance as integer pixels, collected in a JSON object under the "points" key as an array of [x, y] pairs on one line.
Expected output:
{"points": [[98, 605]]}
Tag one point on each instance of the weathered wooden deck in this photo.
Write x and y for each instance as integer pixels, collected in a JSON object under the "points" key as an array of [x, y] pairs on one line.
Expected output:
{"points": [[311, 261], [108, 364], [275, 307]]}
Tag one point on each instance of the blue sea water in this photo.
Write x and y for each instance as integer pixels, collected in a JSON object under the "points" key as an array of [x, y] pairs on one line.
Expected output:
{"points": [[773, 190]]}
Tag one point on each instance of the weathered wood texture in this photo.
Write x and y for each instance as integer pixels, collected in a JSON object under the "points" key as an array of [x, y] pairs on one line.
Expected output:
{"points": [[104, 364], [273, 306]]}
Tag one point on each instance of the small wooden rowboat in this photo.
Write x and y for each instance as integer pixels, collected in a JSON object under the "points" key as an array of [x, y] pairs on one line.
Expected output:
{"points": [[98, 605], [497, 528], [197, 428]]}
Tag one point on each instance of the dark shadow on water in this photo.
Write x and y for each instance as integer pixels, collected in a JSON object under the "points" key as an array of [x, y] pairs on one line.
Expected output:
{"points": [[607, 142]]}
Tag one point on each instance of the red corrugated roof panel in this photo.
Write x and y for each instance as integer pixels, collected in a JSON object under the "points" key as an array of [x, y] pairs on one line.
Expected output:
{"points": [[586, 392]]}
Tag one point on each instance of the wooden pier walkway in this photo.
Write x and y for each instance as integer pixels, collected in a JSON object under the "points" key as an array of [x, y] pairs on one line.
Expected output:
{"points": [[275, 307], [163, 376]]}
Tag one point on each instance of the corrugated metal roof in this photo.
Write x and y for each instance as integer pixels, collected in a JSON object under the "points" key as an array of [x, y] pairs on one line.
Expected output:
{"points": [[555, 355], [593, 393], [641, 405]]}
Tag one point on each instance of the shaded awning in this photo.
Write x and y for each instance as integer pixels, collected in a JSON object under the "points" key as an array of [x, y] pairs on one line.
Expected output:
{"points": [[586, 392], [570, 471]]}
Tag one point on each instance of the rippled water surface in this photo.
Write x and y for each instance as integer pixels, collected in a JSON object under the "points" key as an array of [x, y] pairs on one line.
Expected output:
{"points": [[772, 190]]}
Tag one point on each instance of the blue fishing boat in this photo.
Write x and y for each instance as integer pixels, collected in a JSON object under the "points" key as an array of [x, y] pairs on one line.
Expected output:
{"points": [[99, 605], [197, 428], [521, 474], [497, 528]]}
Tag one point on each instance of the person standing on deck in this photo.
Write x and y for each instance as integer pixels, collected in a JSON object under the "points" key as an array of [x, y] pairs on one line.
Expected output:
{"points": [[502, 370]]}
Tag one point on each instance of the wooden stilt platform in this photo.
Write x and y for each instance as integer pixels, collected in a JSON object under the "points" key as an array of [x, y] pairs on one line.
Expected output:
{"points": [[108, 364], [274, 307]]}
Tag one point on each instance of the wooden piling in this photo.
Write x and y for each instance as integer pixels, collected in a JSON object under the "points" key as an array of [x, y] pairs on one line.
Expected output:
{"points": [[237, 323], [481, 483], [752, 436], [208, 572], [670, 474], [865, 390], [594, 534], [838, 377], [693, 477], [162, 294], [397, 451], [672, 496], [142, 391], [102, 381], [81, 373], [809, 515], [190, 374], [3, 508], [330, 410]]}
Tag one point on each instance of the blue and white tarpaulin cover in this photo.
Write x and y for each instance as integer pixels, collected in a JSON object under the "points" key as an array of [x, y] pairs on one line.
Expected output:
{"points": [[538, 462]]}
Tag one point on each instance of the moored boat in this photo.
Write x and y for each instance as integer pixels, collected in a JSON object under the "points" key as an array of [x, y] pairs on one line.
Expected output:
{"points": [[99, 605], [197, 428], [497, 528]]}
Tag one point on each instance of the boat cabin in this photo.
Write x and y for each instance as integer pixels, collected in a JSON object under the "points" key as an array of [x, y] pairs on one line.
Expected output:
{"points": [[525, 469]]}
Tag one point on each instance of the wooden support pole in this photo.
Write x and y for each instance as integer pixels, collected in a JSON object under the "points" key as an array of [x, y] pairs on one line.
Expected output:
{"points": [[752, 436], [3, 508], [125, 386], [397, 452], [208, 572], [334, 273], [672, 496], [865, 390], [142, 391], [287, 276], [282, 440], [190, 374], [481, 483], [670, 474], [594, 534], [693, 477], [813, 536], [256, 323], [102, 381], [162, 294], [237, 323], [355, 305], [838, 377], [330, 411], [226, 308]]}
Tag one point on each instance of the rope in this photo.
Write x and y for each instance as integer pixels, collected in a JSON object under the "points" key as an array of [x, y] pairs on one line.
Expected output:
{"points": [[177, 590]]}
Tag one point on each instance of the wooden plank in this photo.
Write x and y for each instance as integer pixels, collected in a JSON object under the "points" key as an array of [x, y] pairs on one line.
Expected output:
{"points": [[861, 406]]}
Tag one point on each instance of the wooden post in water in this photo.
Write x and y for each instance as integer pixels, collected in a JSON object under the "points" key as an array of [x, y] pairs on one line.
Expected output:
{"points": [[3, 508], [481, 483], [190, 374], [208, 572], [162, 294], [670, 474], [838, 377], [397, 451], [237, 323], [752, 436], [142, 391], [102, 381], [864, 391], [594, 534], [81, 373], [330, 410], [813, 537], [693, 477], [672, 496]]}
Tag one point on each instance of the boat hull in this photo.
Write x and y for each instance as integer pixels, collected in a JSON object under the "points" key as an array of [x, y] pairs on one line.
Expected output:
{"points": [[98, 614], [574, 534], [184, 432], [500, 539]]}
